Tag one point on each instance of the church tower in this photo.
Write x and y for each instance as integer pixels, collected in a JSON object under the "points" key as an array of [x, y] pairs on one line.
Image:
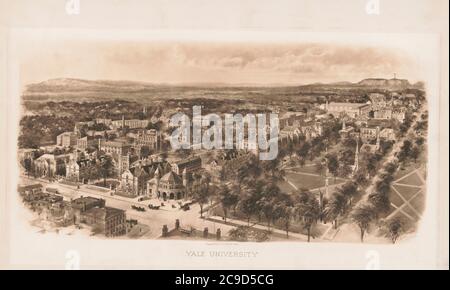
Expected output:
{"points": [[185, 179], [377, 146], [356, 164], [124, 163], [157, 177]]}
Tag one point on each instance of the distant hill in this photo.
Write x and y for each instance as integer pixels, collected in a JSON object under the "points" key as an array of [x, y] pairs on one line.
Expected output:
{"points": [[88, 90], [392, 83]]}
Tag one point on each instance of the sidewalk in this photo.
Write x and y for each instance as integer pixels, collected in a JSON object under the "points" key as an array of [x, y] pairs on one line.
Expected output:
{"points": [[236, 223]]}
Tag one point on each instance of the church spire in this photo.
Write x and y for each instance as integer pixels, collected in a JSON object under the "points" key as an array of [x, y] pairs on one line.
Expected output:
{"points": [[356, 164], [378, 139]]}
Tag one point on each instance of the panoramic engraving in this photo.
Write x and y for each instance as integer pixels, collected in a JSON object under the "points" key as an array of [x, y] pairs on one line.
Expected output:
{"points": [[261, 142]]}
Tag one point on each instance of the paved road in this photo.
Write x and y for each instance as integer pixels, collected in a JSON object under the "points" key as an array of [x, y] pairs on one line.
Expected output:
{"points": [[155, 219], [391, 156]]}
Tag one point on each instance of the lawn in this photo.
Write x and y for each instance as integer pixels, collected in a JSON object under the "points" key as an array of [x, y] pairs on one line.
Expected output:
{"points": [[109, 183], [410, 212], [309, 181], [285, 187], [404, 170], [395, 198], [412, 179], [406, 191], [419, 202], [310, 168]]}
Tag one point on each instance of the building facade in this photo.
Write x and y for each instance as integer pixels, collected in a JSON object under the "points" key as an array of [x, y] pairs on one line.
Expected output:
{"points": [[114, 147], [191, 165], [352, 110], [66, 139]]}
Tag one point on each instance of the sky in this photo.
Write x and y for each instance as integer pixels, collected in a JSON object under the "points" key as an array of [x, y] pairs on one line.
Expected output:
{"points": [[175, 62]]}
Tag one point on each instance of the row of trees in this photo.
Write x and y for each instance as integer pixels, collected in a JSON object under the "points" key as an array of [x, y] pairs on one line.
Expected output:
{"points": [[263, 200], [250, 191], [310, 149], [339, 203], [410, 150], [37, 130], [378, 202]]}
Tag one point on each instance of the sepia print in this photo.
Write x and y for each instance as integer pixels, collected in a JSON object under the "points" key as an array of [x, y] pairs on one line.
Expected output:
{"points": [[276, 141]]}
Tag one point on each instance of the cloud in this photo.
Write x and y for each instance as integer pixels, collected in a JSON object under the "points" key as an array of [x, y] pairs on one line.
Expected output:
{"points": [[175, 62]]}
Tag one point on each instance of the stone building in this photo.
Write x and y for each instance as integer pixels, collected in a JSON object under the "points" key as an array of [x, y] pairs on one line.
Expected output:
{"points": [[134, 180], [85, 142], [107, 220], [352, 110], [49, 165], [114, 147], [191, 165], [150, 138], [169, 186], [67, 139]]}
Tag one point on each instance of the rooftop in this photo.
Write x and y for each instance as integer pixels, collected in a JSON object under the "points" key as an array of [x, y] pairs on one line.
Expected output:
{"points": [[171, 178], [353, 105], [103, 212]]}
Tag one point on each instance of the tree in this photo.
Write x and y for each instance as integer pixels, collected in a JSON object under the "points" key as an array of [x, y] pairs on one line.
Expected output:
{"points": [[349, 190], [319, 167], [344, 170], [405, 151], [284, 211], [380, 203], [308, 210], [227, 200], [360, 177], [415, 153], [362, 215], [248, 201], [420, 141], [395, 228], [303, 151], [270, 166], [201, 192], [335, 207], [333, 164], [28, 165], [267, 207], [391, 167], [106, 168]]}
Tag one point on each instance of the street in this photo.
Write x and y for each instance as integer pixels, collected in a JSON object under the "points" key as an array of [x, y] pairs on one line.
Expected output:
{"points": [[155, 219]]}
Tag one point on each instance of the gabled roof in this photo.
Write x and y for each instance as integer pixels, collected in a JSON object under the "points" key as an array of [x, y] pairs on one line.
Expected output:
{"points": [[172, 178], [139, 171]]}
